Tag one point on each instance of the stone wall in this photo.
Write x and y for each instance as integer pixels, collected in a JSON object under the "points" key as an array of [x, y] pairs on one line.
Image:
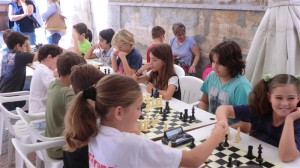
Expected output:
{"points": [[209, 22]]}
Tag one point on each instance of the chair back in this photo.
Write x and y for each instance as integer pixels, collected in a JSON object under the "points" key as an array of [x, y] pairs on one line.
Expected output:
{"points": [[179, 71], [23, 150], [190, 89]]}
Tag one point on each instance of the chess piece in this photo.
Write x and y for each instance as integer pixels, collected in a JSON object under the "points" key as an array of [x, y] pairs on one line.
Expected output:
{"points": [[259, 158], [160, 100], [237, 137], [192, 145], [220, 147], [170, 144], [141, 117], [185, 115], [180, 117], [105, 71], [228, 133], [160, 110], [226, 144], [108, 71], [193, 113], [249, 154], [147, 108], [164, 117], [229, 164], [166, 126], [167, 106], [238, 163], [191, 119]]}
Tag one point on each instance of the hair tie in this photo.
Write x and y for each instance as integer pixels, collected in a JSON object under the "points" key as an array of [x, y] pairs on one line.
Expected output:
{"points": [[267, 77], [89, 93], [298, 77]]}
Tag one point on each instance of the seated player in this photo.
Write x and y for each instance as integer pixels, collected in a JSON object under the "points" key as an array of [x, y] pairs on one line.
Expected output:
{"points": [[42, 76], [81, 44], [103, 50], [13, 66], [273, 113], [158, 37], [59, 95], [162, 75], [82, 77], [226, 85], [112, 139], [126, 59]]}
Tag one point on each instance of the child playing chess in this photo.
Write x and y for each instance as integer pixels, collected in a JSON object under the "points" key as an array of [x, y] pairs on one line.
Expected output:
{"points": [[109, 128], [162, 75], [226, 85], [273, 113], [126, 59]]}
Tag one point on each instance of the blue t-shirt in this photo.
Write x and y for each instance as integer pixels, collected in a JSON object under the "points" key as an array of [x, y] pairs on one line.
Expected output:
{"points": [[262, 127], [25, 24], [183, 51], [234, 92], [134, 59]]}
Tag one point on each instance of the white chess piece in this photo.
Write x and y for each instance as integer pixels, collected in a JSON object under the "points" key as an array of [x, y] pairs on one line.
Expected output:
{"points": [[237, 136]]}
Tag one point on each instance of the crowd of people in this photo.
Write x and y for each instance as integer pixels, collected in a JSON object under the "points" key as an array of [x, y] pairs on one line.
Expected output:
{"points": [[97, 113]]}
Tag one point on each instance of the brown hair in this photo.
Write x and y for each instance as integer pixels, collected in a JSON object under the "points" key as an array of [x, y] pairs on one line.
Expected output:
{"points": [[81, 28], [178, 29], [230, 56], [13, 38], [66, 61], [164, 53], [108, 95], [157, 32], [84, 76], [258, 98], [49, 49]]}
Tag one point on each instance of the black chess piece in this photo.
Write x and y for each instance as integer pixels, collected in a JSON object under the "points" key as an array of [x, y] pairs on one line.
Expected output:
{"points": [[105, 71], [191, 119], [180, 117], [164, 117], [160, 110], [192, 144], [237, 163], [260, 162], [193, 113], [152, 92], [259, 158], [108, 71], [220, 147], [167, 107], [249, 154], [229, 164], [185, 115], [141, 117], [226, 144]]}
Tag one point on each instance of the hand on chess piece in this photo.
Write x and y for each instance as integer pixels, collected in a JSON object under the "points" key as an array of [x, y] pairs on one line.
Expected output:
{"points": [[219, 131]]}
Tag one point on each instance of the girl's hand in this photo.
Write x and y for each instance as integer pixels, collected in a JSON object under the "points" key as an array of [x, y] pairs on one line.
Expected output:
{"points": [[192, 69], [144, 67], [122, 55], [149, 87], [294, 115], [96, 46], [115, 53], [75, 36]]}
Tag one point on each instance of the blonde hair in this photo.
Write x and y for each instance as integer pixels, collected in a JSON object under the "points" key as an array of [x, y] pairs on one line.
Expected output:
{"points": [[123, 36], [111, 91]]}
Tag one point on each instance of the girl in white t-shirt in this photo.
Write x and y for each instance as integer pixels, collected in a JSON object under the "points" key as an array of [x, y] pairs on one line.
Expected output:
{"points": [[105, 117], [162, 75]]}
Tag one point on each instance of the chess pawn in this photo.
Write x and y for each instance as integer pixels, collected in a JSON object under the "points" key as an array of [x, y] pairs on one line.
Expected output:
{"points": [[166, 126], [170, 144], [160, 101], [153, 122]]}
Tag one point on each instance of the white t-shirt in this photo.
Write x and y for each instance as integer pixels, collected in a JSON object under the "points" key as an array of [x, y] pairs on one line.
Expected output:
{"points": [[172, 81], [115, 149], [41, 78], [104, 57]]}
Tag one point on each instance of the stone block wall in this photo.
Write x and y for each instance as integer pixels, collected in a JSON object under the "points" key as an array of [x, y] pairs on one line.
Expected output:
{"points": [[209, 22]]}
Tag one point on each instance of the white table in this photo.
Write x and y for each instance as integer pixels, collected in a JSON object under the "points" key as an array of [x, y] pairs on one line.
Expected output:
{"points": [[102, 68], [270, 153]]}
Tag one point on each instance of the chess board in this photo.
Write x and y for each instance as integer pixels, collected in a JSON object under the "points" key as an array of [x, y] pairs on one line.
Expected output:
{"points": [[219, 158], [173, 121]]}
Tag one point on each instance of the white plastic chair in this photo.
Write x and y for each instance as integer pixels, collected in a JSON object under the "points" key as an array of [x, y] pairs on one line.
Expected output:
{"points": [[179, 71], [36, 135], [23, 149], [16, 128], [190, 89]]}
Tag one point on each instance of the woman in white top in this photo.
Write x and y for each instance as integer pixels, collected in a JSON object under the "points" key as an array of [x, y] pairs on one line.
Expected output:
{"points": [[108, 117]]}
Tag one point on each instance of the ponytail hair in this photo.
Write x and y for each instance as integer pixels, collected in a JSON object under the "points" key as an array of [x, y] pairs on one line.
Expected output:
{"points": [[258, 98], [81, 118], [80, 123]]}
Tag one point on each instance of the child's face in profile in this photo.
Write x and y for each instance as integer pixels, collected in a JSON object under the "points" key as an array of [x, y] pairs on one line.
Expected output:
{"points": [[21, 47], [220, 70], [284, 100], [156, 63]]}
